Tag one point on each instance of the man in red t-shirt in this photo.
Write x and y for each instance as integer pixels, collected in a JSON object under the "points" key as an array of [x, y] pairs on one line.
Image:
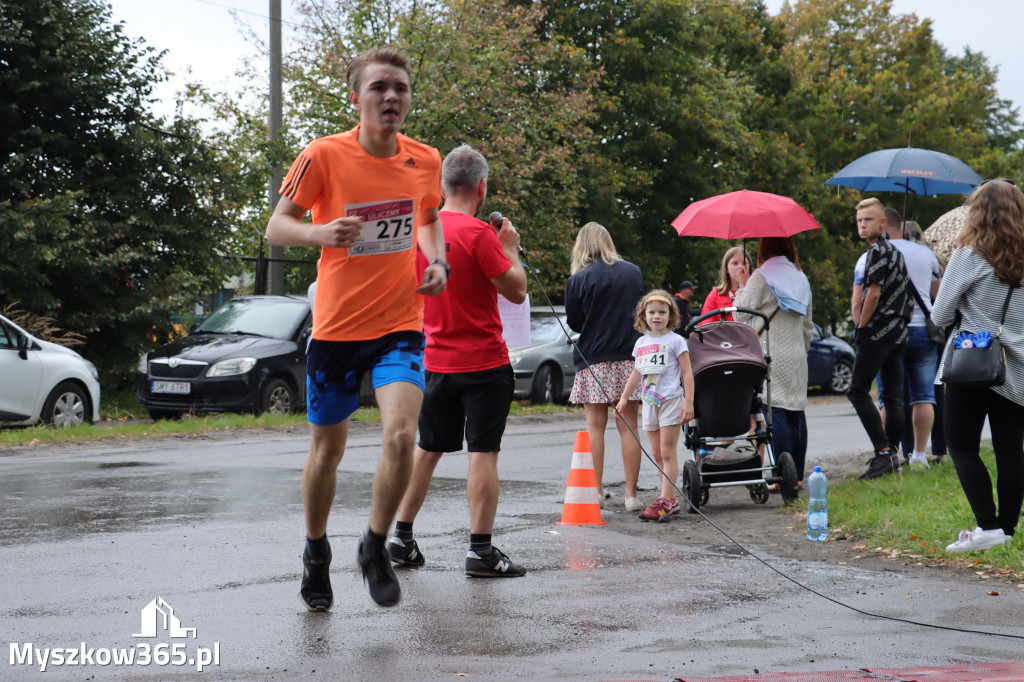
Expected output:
{"points": [[469, 378], [373, 194]]}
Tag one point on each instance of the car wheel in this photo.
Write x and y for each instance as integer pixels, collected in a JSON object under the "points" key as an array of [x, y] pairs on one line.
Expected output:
{"points": [[842, 376], [278, 397], [67, 405], [547, 385]]}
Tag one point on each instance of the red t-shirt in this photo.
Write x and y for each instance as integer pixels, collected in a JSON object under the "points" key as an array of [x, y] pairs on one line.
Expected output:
{"points": [[464, 332], [714, 301]]}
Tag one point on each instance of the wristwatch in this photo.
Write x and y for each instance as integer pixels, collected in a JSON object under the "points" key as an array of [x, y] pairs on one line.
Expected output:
{"points": [[447, 268]]}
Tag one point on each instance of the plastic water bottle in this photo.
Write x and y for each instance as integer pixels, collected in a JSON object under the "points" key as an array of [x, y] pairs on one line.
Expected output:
{"points": [[817, 507]]}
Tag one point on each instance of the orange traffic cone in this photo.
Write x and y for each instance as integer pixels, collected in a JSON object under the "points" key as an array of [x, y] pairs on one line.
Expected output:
{"points": [[582, 506]]}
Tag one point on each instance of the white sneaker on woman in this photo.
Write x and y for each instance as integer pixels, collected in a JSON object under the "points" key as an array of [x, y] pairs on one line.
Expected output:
{"points": [[633, 504], [977, 540]]}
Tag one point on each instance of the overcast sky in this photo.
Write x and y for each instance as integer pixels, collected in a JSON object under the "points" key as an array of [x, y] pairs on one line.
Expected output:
{"points": [[206, 37]]}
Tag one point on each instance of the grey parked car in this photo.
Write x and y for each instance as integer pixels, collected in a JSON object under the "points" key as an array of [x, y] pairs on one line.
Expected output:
{"points": [[544, 368]]}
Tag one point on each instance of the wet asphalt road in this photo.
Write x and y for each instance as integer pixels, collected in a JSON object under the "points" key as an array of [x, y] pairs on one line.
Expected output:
{"points": [[91, 535]]}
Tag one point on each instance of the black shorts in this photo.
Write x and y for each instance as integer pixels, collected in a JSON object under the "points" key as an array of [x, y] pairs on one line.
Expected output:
{"points": [[474, 404]]}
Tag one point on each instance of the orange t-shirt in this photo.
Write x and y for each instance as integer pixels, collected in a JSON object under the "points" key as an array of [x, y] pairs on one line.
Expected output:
{"points": [[368, 290]]}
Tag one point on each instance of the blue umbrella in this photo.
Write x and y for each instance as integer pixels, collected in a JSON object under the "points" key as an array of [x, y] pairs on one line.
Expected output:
{"points": [[911, 170]]}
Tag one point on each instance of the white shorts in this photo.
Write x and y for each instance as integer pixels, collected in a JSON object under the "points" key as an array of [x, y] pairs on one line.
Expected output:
{"points": [[668, 413]]}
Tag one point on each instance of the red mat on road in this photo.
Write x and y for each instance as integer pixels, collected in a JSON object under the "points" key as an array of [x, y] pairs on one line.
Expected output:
{"points": [[968, 672]]}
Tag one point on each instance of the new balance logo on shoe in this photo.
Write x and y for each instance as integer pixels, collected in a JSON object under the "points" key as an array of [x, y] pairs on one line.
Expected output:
{"points": [[410, 163], [493, 565]]}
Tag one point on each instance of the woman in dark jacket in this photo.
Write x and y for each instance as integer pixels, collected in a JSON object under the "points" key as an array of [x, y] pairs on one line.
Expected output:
{"points": [[600, 297]]}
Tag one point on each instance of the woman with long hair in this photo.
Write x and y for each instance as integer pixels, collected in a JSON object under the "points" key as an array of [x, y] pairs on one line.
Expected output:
{"points": [[988, 267], [600, 296], [780, 290], [733, 274]]}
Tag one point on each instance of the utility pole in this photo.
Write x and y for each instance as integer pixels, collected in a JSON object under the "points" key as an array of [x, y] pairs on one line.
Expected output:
{"points": [[275, 267]]}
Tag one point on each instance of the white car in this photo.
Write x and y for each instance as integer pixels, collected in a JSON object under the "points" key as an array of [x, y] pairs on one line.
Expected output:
{"points": [[43, 381]]}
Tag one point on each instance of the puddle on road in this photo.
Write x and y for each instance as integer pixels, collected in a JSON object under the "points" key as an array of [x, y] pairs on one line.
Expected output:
{"points": [[81, 499]]}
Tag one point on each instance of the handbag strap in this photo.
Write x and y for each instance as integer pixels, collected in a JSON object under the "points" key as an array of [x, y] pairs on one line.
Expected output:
{"points": [[768, 321], [1006, 306], [917, 297]]}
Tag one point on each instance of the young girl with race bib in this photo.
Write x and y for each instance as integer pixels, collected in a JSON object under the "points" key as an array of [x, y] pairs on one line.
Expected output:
{"points": [[662, 369]]}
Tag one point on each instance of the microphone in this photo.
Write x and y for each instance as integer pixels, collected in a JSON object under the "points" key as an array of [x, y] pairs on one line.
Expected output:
{"points": [[496, 220]]}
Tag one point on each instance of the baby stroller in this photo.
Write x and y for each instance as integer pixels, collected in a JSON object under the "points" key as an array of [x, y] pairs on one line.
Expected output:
{"points": [[729, 369]]}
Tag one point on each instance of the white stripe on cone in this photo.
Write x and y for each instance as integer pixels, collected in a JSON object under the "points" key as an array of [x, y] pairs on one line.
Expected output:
{"points": [[575, 495], [582, 460]]}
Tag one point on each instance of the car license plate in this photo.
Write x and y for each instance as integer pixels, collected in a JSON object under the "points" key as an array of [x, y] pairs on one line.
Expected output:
{"points": [[179, 387]]}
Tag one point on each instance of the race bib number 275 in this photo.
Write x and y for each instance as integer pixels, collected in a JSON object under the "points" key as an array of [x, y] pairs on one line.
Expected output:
{"points": [[387, 226]]}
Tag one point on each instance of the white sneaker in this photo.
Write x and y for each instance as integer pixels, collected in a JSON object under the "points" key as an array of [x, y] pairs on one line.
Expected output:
{"points": [[977, 540], [919, 458], [633, 504]]}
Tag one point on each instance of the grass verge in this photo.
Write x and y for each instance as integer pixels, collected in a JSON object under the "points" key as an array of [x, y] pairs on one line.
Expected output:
{"points": [[913, 515], [121, 417]]}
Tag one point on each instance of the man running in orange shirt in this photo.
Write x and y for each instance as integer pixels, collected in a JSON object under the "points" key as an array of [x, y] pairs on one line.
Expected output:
{"points": [[373, 194]]}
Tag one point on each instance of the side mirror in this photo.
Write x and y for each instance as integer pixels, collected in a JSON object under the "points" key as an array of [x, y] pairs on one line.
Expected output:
{"points": [[22, 347]]}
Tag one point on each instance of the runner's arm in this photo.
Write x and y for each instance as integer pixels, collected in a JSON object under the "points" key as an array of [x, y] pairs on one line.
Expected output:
{"points": [[430, 238], [285, 228]]}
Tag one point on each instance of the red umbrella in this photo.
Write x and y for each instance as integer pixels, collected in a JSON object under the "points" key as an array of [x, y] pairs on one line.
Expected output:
{"points": [[744, 214]]}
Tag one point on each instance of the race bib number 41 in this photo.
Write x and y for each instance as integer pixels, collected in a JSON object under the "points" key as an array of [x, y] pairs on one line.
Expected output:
{"points": [[652, 359], [387, 226]]}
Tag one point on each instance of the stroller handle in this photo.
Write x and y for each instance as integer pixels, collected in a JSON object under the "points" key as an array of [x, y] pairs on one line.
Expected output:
{"points": [[731, 309]]}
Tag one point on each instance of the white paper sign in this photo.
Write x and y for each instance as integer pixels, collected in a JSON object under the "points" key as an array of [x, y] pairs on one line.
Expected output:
{"points": [[515, 318]]}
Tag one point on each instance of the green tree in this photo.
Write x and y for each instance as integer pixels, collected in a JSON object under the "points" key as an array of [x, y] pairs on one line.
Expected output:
{"points": [[863, 79], [481, 75], [685, 110], [110, 220]]}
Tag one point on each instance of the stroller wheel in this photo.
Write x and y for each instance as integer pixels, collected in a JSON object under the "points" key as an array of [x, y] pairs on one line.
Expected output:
{"points": [[758, 493], [695, 497], [787, 486]]}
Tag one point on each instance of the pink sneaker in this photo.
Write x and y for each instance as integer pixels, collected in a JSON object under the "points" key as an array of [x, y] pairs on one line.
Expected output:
{"points": [[660, 510]]}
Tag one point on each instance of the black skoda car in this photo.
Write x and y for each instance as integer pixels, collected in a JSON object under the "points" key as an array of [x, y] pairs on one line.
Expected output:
{"points": [[249, 355]]}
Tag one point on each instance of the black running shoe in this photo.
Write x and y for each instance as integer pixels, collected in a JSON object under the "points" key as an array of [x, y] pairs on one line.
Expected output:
{"points": [[494, 565], [879, 465], [405, 553], [378, 576], [316, 593]]}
